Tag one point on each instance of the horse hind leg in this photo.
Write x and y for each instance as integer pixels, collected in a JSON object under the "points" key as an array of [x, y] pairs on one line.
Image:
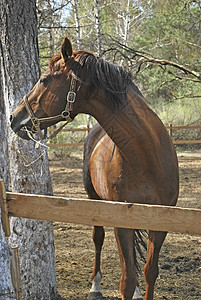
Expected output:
{"points": [[98, 238], [155, 242]]}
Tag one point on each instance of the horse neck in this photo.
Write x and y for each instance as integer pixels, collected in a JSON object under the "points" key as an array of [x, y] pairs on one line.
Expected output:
{"points": [[125, 127]]}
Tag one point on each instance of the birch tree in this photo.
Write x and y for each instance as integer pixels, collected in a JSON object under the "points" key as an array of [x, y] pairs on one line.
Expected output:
{"points": [[97, 15], [19, 72], [75, 4]]}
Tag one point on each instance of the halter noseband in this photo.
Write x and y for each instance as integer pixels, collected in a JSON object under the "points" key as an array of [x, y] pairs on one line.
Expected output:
{"points": [[70, 99]]}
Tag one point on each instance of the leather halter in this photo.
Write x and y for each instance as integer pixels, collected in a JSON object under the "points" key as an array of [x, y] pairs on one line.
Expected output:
{"points": [[70, 99]]}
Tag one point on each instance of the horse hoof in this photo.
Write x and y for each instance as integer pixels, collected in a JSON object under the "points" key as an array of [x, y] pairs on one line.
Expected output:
{"points": [[95, 296]]}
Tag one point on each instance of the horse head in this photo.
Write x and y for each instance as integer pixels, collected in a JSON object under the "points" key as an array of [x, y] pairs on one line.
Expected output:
{"points": [[52, 99]]}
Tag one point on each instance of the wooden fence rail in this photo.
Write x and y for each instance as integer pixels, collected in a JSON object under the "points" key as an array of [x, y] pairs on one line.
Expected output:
{"points": [[100, 213], [170, 129]]}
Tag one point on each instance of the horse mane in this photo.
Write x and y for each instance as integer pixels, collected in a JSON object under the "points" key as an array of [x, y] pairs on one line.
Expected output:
{"points": [[102, 74], [99, 73]]}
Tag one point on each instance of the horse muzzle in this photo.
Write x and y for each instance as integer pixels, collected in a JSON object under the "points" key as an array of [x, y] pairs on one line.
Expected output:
{"points": [[21, 127]]}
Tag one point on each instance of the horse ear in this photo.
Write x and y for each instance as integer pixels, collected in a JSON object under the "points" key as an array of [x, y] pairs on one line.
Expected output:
{"points": [[66, 49]]}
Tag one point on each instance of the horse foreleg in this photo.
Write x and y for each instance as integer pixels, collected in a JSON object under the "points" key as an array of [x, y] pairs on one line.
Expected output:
{"points": [[98, 238], [128, 281], [155, 242]]}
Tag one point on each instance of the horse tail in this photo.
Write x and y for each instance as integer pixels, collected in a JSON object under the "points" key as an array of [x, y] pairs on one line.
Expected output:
{"points": [[140, 246]]}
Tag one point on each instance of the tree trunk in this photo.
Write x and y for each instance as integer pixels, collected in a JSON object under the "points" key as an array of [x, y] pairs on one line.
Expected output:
{"points": [[77, 23], [126, 23], [97, 10], [6, 287], [20, 71]]}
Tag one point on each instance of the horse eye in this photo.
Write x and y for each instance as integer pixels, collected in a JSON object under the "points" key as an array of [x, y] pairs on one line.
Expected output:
{"points": [[44, 81]]}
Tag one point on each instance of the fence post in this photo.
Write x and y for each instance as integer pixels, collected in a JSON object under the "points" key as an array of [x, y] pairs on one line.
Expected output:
{"points": [[15, 272], [4, 209], [89, 123], [14, 266], [88, 128], [170, 130]]}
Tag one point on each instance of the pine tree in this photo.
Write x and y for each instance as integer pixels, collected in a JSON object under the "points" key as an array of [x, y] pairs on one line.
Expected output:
{"points": [[19, 72]]}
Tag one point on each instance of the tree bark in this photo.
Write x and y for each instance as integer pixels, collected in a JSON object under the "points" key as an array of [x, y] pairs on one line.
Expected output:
{"points": [[20, 71], [6, 287]]}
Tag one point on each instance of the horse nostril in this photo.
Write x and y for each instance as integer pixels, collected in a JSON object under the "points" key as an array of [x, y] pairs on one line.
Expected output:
{"points": [[11, 118]]}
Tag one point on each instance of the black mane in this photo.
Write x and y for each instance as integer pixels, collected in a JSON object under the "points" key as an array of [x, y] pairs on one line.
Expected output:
{"points": [[112, 78]]}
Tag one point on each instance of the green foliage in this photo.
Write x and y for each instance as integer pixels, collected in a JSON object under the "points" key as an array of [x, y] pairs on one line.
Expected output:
{"points": [[168, 30]]}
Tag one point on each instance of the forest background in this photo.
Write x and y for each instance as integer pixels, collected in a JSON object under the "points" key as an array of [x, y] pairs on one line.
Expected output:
{"points": [[158, 41]]}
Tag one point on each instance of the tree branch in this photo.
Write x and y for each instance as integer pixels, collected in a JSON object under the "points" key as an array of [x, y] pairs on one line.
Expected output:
{"points": [[164, 62], [170, 63]]}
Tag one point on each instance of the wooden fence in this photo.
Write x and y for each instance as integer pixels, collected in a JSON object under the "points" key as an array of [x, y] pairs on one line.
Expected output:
{"points": [[99, 213], [86, 129], [92, 212], [170, 129]]}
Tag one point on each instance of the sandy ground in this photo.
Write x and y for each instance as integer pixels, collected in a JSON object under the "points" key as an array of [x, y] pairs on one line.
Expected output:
{"points": [[180, 266]]}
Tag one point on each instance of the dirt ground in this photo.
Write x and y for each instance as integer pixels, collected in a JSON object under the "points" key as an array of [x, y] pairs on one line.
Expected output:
{"points": [[179, 264]]}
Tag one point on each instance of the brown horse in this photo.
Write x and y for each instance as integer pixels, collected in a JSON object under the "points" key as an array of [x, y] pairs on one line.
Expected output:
{"points": [[128, 157]]}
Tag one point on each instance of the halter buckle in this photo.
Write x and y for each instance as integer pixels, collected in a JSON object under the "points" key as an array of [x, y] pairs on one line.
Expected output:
{"points": [[71, 96], [70, 100]]}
